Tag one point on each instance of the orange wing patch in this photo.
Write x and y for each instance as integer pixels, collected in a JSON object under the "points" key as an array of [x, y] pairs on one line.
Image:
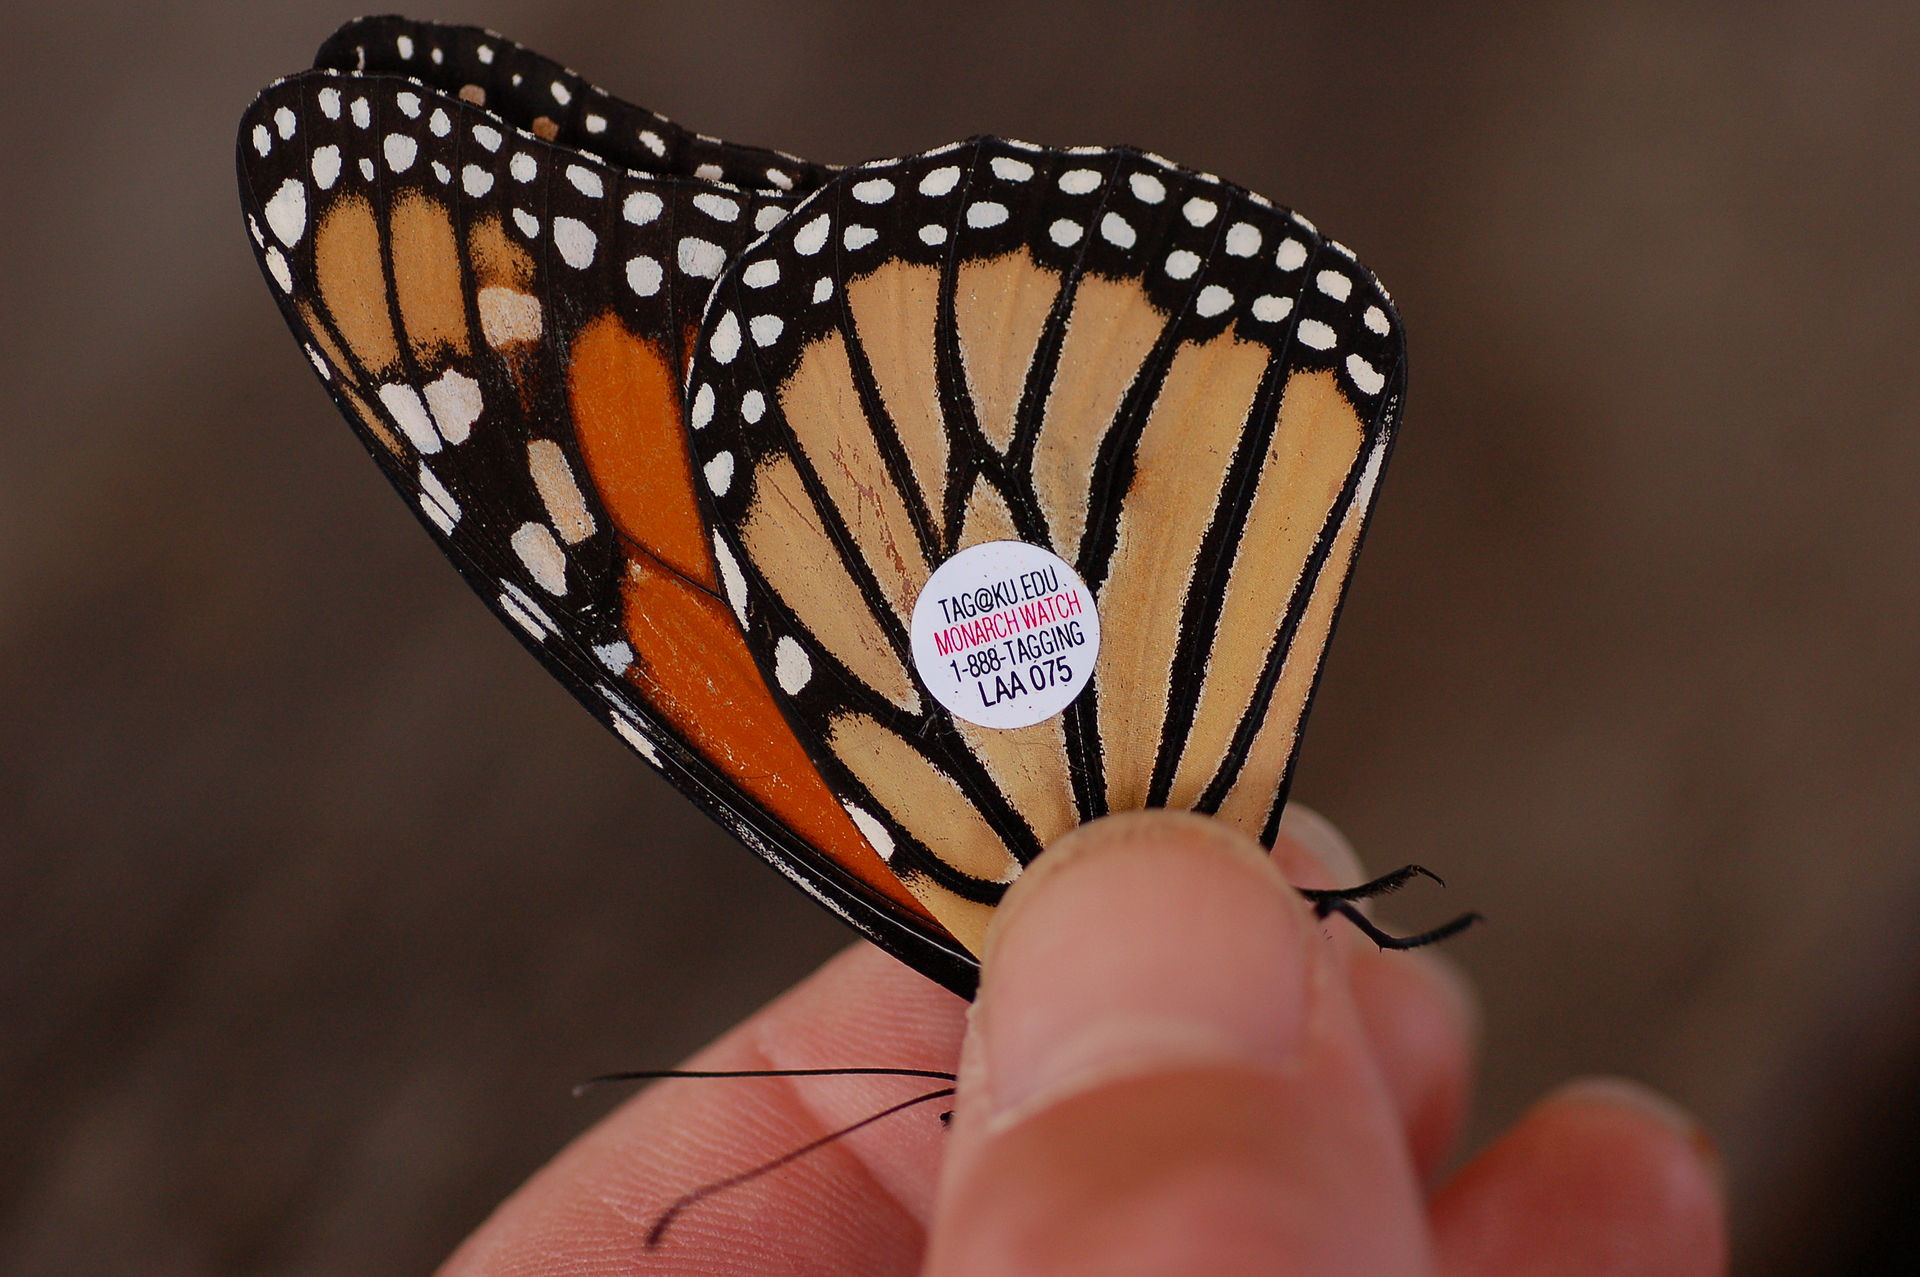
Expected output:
{"points": [[692, 664]]}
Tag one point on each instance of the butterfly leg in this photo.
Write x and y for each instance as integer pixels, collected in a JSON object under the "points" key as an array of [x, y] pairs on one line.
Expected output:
{"points": [[1377, 887], [1387, 940]]}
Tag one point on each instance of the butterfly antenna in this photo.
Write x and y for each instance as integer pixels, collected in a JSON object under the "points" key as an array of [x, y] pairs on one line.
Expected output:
{"points": [[648, 1075], [698, 1195]]}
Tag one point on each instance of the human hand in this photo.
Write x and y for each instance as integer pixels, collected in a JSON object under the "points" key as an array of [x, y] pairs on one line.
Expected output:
{"points": [[1170, 1068]]}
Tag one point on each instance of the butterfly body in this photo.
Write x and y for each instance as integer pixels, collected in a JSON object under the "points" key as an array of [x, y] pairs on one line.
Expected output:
{"points": [[701, 421]]}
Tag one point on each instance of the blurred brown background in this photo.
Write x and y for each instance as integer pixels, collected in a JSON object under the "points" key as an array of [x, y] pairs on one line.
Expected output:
{"points": [[316, 894]]}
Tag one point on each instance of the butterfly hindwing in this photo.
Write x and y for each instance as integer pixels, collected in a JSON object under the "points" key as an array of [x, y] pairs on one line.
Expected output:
{"points": [[505, 322], [1179, 389]]}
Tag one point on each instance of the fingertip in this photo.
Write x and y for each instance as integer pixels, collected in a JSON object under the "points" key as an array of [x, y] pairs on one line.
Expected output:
{"points": [[1602, 1176], [1164, 1063]]}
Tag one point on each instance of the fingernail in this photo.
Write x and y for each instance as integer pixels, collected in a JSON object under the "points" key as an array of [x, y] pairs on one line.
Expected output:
{"points": [[1137, 943], [1318, 836], [1626, 1093]]}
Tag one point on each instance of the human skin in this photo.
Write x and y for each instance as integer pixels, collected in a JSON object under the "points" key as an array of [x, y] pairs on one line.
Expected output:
{"points": [[1171, 1068]]}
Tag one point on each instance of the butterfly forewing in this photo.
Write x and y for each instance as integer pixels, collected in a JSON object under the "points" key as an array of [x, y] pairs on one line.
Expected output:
{"points": [[553, 102], [505, 321], [1179, 389]]}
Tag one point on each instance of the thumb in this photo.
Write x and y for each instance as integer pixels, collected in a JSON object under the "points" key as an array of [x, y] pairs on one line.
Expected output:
{"points": [[1165, 1073]]}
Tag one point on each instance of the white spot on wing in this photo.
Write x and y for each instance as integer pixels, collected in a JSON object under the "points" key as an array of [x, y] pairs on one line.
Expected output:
{"points": [[1182, 264], [1364, 375], [1147, 188], [436, 501], [1291, 255], [762, 274], [403, 404], [400, 151], [644, 275], [1066, 233], [283, 122], [529, 224], [872, 830], [812, 237], [1334, 284], [1269, 309], [700, 258], [487, 136], [1376, 320], [1009, 169], [542, 556], [718, 207], [1080, 181], [769, 217], [287, 212], [330, 103], [875, 190], [724, 345], [454, 399], [985, 214], [1116, 230], [753, 406], [766, 329], [282, 273], [857, 237], [630, 733], [941, 181], [586, 181], [475, 180], [1212, 300], [734, 584], [522, 167], [1199, 212], [1243, 240], [575, 240], [508, 316], [791, 666], [1312, 332], [702, 411], [641, 207], [719, 473], [616, 656]]}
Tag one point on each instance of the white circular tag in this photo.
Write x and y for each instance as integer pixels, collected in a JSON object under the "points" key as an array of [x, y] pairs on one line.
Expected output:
{"points": [[1005, 634]]}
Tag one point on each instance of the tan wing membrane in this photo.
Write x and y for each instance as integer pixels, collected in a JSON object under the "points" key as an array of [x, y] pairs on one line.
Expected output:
{"points": [[987, 518], [923, 799], [1110, 329], [353, 284], [1249, 804], [1180, 469], [893, 314], [427, 279], [784, 537], [1315, 444], [822, 405], [1000, 305]]}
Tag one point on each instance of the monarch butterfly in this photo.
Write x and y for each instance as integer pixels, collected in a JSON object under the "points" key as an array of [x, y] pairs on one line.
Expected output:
{"points": [[704, 423]]}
